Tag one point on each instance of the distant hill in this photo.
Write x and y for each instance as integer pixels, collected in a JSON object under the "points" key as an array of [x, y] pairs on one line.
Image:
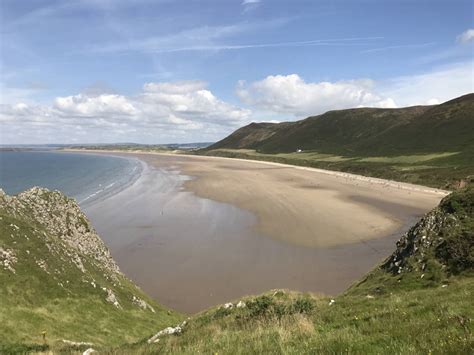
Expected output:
{"points": [[367, 131], [428, 145]]}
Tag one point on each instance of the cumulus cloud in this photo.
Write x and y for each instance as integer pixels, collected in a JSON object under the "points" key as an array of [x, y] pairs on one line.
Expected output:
{"points": [[467, 36], [188, 111], [165, 111], [102, 105], [291, 94]]}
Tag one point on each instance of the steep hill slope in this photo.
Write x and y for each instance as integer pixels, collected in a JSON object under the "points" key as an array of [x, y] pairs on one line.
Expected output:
{"points": [[367, 131], [419, 300], [430, 145], [58, 277]]}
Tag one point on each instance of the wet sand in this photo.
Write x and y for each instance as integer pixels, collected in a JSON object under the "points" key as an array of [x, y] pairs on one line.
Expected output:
{"points": [[241, 227]]}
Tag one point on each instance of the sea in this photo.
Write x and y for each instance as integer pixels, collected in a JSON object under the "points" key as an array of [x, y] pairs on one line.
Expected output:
{"points": [[83, 176]]}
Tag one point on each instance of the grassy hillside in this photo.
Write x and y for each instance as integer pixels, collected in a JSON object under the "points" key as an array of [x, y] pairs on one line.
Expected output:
{"points": [[57, 277], [431, 145], [419, 300]]}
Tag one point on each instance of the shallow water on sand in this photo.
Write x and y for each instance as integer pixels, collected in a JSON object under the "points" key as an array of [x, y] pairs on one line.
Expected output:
{"points": [[85, 177], [190, 253]]}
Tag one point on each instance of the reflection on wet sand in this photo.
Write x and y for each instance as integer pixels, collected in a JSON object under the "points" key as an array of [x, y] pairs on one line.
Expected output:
{"points": [[191, 252]]}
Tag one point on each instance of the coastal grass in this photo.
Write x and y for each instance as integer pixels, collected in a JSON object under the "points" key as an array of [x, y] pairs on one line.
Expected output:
{"points": [[439, 170], [431, 319], [421, 304], [58, 302], [425, 308], [426, 145]]}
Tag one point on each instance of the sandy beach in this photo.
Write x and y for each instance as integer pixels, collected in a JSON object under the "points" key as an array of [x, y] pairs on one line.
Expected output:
{"points": [[196, 231], [306, 206]]}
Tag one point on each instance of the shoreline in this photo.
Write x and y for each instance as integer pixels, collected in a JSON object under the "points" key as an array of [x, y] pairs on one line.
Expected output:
{"points": [[384, 182], [242, 227], [105, 194], [368, 208], [86, 177], [114, 187]]}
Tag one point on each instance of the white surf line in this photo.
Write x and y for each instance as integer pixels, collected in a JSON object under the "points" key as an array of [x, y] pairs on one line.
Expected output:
{"points": [[378, 181]]}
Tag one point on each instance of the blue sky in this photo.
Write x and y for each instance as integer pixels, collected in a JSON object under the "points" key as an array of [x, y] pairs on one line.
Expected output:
{"points": [[180, 71]]}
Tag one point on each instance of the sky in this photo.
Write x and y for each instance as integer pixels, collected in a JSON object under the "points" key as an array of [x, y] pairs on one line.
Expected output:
{"points": [[164, 71]]}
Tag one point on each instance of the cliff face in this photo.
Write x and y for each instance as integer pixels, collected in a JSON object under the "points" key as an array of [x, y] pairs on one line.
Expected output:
{"points": [[61, 286], [60, 277], [444, 238], [427, 284], [436, 251], [68, 233]]}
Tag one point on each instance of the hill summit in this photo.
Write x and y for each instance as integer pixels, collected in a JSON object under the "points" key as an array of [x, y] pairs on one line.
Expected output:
{"points": [[375, 131], [426, 145]]}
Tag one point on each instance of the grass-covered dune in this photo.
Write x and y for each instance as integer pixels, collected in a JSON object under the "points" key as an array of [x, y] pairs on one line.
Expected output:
{"points": [[58, 277], [428, 145]]}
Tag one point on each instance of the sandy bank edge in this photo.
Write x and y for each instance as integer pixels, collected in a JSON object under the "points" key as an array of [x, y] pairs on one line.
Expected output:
{"points": [[391, 183]]}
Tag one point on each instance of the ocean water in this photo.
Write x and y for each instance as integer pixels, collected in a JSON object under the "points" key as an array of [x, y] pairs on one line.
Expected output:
{"points": [[86, 177]]}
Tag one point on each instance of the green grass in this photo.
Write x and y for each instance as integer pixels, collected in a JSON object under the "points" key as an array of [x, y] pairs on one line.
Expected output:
{"points": [[62, 302], [440, 170], [425, 308], [408, 159], [427, 145], [433, 319]]}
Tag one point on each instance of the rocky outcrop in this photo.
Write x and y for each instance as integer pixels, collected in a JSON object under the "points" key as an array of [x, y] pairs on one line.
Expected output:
{"points": [[167, 331], [446, 235], [419, 242], [61, 216], [142, 304], [70, 251], [111, 298], [8, 259]]}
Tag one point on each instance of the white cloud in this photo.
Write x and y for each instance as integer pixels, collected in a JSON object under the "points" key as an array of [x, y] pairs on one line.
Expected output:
{"points": [[246, 2], [189, 111], [467, 36], [82, 105], [439, 85], [162, 112], [292, 95]]}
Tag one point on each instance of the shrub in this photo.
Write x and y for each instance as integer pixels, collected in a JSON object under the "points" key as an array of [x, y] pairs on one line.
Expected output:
{"points": [[458, 252], [260, 306], [303, 305], [221, 313]]}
